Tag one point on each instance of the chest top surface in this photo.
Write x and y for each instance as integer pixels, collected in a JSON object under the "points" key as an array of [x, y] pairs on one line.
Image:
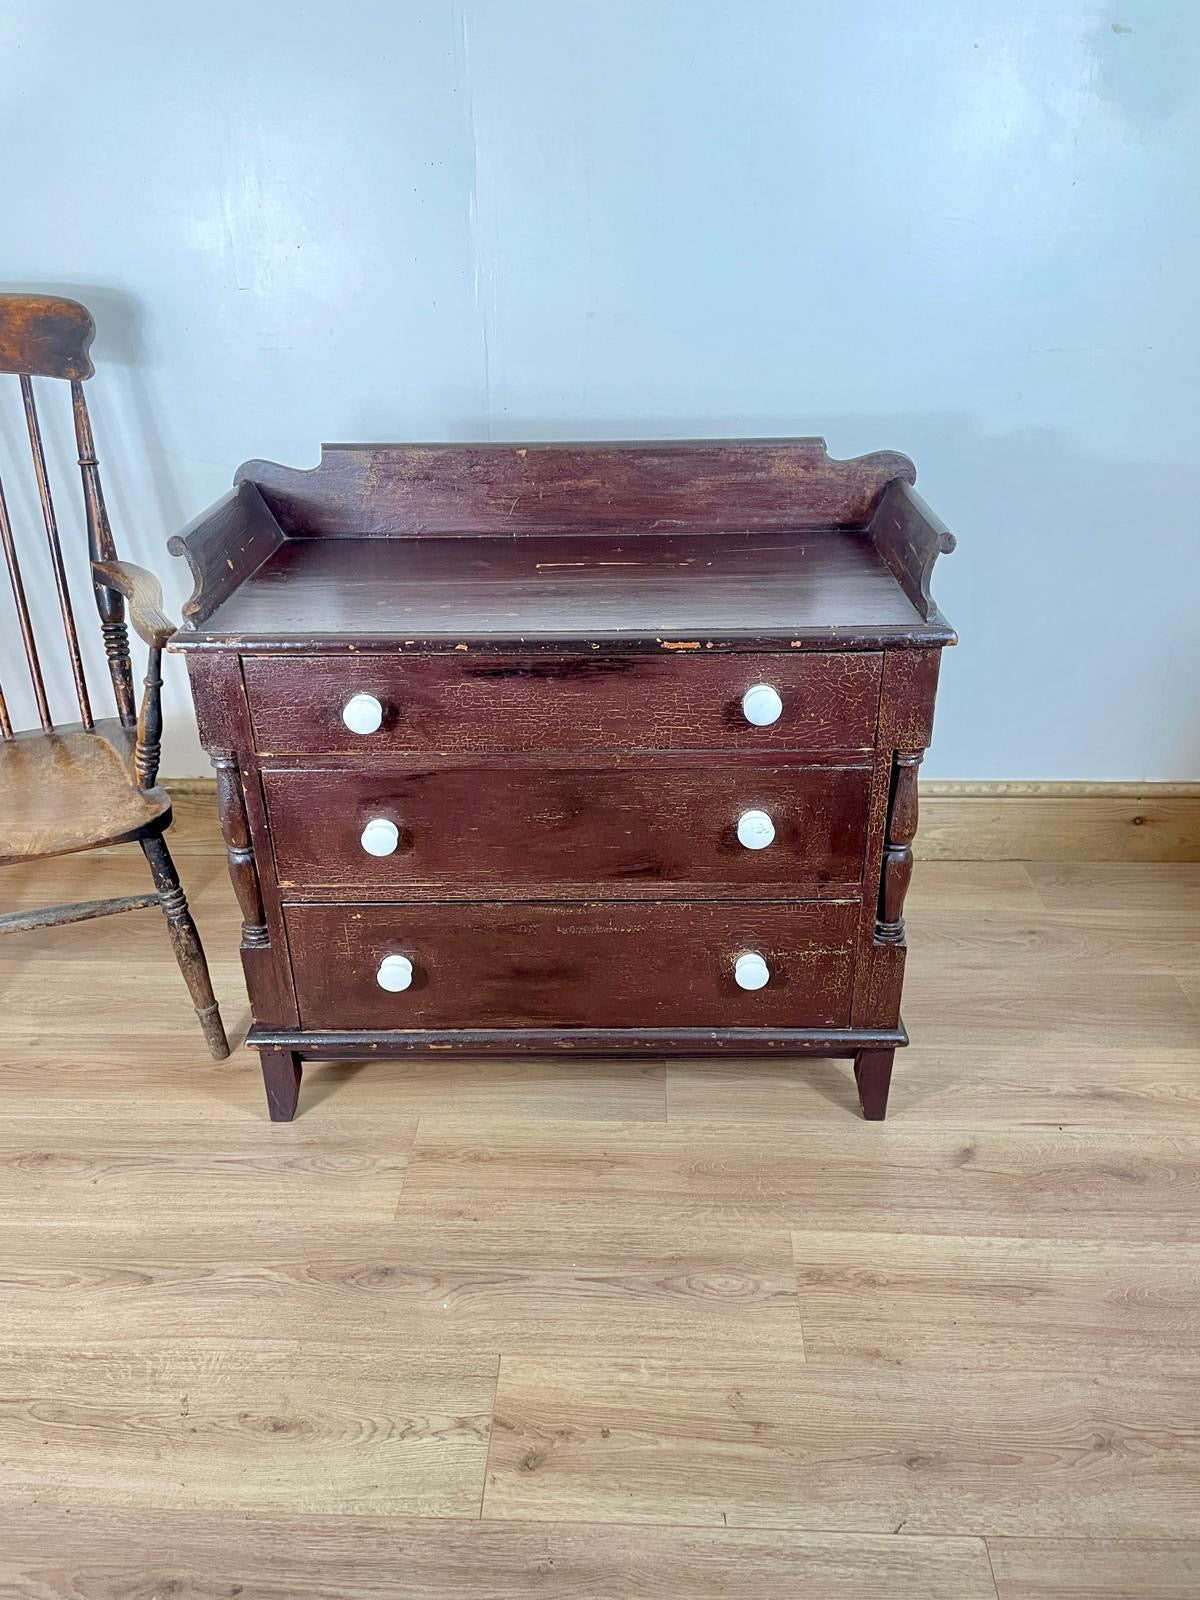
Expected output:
{"points": [[750, 545]]}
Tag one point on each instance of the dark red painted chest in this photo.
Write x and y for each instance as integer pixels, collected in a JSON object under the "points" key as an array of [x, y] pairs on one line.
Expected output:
{"points": [[572, 749]]}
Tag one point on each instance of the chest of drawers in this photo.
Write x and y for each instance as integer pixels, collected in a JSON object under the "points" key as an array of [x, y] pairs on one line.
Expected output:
{"points": [[569, 749]]}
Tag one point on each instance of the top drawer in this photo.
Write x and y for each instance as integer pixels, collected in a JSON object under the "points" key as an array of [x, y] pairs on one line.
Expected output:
{"points": [[461, 703]]}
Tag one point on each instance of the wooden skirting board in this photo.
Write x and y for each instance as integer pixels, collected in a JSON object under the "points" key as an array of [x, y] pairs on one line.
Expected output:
{"points": [[1014, 821]]}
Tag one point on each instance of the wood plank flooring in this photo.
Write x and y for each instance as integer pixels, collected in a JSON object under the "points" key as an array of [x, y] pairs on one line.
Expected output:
{"points": [[500, 1329]]}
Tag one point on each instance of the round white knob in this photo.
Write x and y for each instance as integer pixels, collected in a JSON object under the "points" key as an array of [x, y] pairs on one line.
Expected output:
{"points": [[395, 973], [380, 837], [755, 830], [750, 971], [762, 705], [362, 713]]}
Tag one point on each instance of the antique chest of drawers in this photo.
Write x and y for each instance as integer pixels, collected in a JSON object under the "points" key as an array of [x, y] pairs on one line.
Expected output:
{"points": [[570, 749]]}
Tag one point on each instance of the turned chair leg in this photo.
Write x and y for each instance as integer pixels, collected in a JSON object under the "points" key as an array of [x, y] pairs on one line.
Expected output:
{"points": [[873, 1074], [281, 1079], [185, 941]]}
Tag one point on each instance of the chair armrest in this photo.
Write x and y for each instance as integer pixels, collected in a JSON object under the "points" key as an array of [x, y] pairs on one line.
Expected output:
{"points": [[144, 593]]}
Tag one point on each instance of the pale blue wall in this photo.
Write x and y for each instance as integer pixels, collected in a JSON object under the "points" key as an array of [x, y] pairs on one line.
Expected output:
{"points": [[966, 229]]}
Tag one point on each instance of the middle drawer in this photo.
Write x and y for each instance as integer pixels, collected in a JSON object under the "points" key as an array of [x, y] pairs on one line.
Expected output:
{"points": [[634, 825]]}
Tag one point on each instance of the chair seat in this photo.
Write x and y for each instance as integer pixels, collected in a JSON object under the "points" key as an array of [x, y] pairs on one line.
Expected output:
{"points": [[72, 788]]}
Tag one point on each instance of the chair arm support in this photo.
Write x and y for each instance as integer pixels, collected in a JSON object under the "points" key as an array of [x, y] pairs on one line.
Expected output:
{"points": [[144, 594], [142, 590]]}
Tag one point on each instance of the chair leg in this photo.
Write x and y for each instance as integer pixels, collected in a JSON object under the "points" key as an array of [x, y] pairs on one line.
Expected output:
{"points": [[189, 952], [281, 1079], [873, 1074]]}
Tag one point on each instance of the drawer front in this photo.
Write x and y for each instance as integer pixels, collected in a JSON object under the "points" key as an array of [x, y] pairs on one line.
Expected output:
{"points": [[607, 965], [464, 702], [633, 825]]}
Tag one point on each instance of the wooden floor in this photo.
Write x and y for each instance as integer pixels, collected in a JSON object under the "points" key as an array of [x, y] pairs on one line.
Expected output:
{"points": [[488, 1329]]}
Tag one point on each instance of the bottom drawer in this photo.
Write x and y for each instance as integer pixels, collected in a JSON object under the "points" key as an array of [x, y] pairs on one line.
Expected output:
{"points": [[607, 965]]}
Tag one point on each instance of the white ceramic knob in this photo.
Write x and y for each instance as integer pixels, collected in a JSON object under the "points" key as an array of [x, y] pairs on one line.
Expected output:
{"points": [[395, 973], [750, 971], [362, 713], [755, 830], [380, 837], [761, 705]]}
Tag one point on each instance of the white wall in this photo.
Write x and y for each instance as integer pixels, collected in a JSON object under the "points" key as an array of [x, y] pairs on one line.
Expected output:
{"points": [[966, 229]]}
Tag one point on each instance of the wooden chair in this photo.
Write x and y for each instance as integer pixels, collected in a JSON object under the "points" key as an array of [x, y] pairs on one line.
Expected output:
{"points": [[93, 782]]}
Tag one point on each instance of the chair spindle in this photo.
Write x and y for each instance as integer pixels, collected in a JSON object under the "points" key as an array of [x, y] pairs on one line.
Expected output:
{"points": [[5, 724], [51, 521], [23, 618], [102, 547], [150, 726]]}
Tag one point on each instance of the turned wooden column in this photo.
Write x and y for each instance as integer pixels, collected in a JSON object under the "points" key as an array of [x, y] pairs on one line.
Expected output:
{"points": [[148, 751], [897, 855], [243, 870]]}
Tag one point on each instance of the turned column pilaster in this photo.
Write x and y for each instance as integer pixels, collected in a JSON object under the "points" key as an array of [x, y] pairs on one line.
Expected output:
{"points": [[897, 855], [243, 869]]}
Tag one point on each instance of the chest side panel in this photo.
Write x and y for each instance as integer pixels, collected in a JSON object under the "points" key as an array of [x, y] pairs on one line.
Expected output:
{"points": [[909, 688], [224, 723]]}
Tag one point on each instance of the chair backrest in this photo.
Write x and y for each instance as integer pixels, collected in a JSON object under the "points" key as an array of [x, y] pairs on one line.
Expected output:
{"points": [[42, 336]]}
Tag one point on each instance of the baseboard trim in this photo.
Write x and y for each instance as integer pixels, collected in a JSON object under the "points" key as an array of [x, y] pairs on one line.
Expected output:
{"points": [[1059, 821], [1014, 820], [190, 788], [1051, 789]]}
